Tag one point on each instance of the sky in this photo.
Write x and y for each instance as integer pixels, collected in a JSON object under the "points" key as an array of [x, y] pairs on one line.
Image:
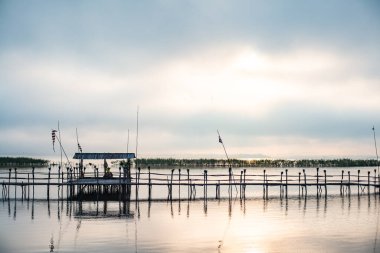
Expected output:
{"points": [[278, 79]]}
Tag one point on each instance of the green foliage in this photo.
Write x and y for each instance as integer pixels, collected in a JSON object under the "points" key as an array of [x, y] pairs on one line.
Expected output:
{"points": [[280, 163], [22, 162]]}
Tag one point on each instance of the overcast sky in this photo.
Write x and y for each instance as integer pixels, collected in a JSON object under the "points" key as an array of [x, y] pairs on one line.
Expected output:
{"points": [[281, 79]]}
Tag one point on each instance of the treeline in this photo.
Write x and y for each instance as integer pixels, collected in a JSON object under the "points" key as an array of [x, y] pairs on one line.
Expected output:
{"points": [[159, 162], [22, 162]]}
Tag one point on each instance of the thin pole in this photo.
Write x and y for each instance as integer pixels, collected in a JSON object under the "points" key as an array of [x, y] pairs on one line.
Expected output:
{"points": [[377, 156], [220, 140], [128, 141], [137, 132], [62, 149], [59, 133]]}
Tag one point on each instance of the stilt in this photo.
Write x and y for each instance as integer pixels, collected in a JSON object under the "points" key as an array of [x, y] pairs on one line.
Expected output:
{"points": [[324, 171], [304, 176], [286, 182]]}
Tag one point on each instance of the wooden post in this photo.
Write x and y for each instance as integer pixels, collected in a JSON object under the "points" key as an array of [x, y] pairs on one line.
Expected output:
{"points": [[9, 181], [341, 184], [264, 181], [241, 182], [304, 176], [119, 176], [286, 180], [171, 185], [48, 186], [138, 182], [299, 183], [324, 171], [179, 183], [28, 188], [230, 180], [33, 180], [349, 182], [205, 188], [245, 185], [369, 173], [374, 186], [188, 183], [317, 182], [281, 183], [358, 182]]}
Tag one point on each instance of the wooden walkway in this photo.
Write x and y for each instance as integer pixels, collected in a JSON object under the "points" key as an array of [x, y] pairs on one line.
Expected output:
{"points": [[91, 183]]}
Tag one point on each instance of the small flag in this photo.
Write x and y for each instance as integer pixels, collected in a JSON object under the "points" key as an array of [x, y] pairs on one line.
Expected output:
{"points": [[220, 140], [79, 148], [53, 137]]}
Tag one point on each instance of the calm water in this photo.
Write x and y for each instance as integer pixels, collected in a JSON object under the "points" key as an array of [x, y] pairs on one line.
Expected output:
{"points": [[333, 224]]}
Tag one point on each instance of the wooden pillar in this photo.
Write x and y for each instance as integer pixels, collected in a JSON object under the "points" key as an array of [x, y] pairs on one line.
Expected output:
{"points": [[264, 182], [241, 183], [9, 182], [324, 171], [358, 182], [245, 184], [28, 187], [188, 184], [33, 181], [341, 183], [349, 182], [286, 181], [205, 184], [299, 184], [317, 182], [369, 176], [48, 186], [15, 182], [304, 176], [179, 183], [374, 185]]}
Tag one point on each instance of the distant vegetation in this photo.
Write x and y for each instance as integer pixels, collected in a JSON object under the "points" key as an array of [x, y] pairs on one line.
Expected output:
{"points": [[22, 162], [158, 162]]}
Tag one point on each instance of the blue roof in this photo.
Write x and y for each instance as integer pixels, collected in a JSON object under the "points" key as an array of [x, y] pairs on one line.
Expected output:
{"points": [[96, 156]]}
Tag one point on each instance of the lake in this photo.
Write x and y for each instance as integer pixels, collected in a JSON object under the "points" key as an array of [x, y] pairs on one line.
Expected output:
{"points": [[336, 223]]}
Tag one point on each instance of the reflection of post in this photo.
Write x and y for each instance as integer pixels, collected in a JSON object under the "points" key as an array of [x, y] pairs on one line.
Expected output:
{"points": [[149, 206], [229, 207], [48, 207], [205, 206], [51, 245], [188, 209]]}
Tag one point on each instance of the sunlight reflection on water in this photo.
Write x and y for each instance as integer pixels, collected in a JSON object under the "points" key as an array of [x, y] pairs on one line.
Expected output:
{"points": [[335, 224]]}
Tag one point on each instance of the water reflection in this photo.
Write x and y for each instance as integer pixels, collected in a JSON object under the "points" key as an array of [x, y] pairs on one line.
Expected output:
{"points": [[227, 225]]}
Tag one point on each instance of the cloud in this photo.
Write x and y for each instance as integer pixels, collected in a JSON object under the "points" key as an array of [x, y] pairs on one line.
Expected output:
{"points": [[272, 77]]}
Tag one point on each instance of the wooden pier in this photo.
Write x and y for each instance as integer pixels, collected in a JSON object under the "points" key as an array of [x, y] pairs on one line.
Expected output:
{"points": [[89, 185]]}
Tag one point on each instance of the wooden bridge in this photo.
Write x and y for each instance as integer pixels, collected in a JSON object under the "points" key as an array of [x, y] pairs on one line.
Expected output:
{"points": [[82, 184]]}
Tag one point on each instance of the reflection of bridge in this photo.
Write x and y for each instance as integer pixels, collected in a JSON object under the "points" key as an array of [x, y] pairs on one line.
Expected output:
{"points": [[91, 185]]}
